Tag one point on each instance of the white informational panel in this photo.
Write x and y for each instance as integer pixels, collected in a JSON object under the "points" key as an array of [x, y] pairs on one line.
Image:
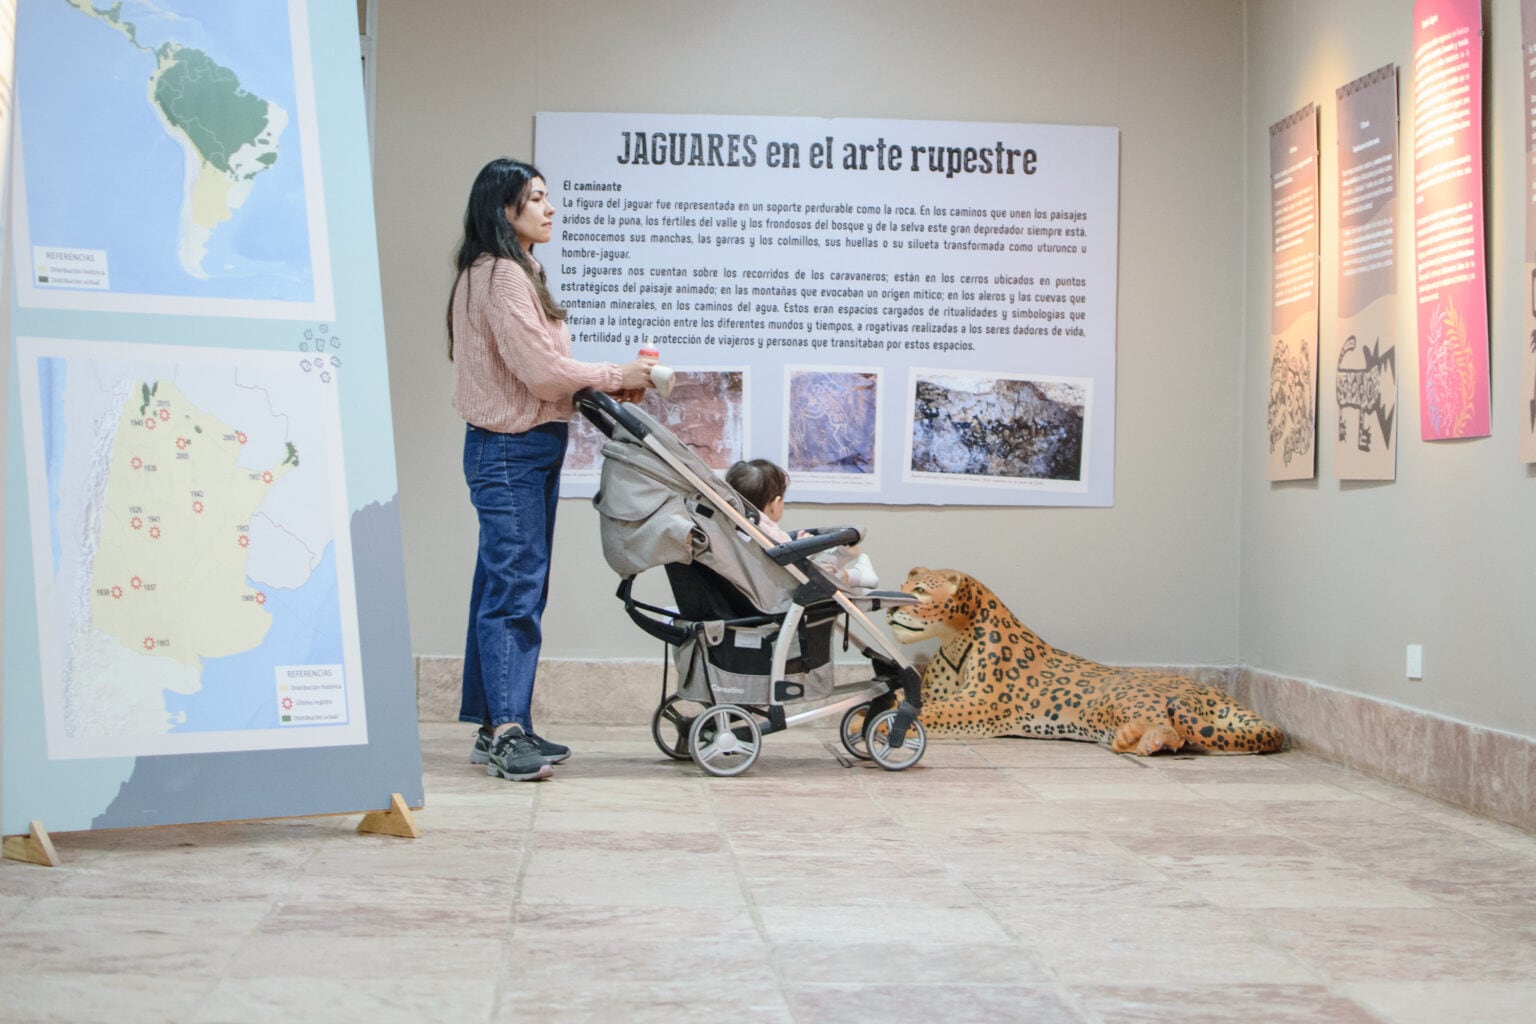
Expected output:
{"points": [[902, 312], [204, 595]]}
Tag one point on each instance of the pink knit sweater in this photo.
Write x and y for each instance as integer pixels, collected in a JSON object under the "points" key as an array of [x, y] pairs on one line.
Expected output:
{"points": [[513, 365]]}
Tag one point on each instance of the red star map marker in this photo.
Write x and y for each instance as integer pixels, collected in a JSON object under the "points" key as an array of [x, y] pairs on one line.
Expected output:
{"points": [[261, 598], [117, 592], [135, 522], [244, 541], [154, 532], [149, 643], [135, 462], [136, 583]]}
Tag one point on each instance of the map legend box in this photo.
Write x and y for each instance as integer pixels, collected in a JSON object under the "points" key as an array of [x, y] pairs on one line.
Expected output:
{"points": [[311, 695], [70, 268]]}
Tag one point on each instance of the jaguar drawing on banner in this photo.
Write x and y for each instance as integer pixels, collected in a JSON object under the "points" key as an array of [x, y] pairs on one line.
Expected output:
{"points": [[1533, 387], [1290, 401], [1369, 391]]}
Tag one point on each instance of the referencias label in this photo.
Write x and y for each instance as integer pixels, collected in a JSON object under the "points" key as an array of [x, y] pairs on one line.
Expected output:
{"points": [[53, 267]]}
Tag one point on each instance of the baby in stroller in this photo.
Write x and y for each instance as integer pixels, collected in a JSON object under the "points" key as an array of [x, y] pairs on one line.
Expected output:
{"points": [[751, 633], [764, 483]]}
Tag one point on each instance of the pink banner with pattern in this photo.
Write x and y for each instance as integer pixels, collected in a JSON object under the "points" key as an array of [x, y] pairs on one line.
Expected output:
{"points": [[1451, 280]]}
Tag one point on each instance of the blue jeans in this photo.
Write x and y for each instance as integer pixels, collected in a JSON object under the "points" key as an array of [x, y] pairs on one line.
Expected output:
{"points": [[514, 481]]}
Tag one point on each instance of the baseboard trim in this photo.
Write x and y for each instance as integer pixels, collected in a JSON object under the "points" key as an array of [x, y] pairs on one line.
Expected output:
{"points": [[1492, 773], [569, 691]]}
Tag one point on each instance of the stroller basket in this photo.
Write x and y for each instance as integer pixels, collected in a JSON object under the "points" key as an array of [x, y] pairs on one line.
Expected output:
{"points": [[731, 657], [755, 624]]}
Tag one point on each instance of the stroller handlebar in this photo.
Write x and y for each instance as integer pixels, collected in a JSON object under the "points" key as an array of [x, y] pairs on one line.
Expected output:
{"points": [[604, 411], [819, 540]]}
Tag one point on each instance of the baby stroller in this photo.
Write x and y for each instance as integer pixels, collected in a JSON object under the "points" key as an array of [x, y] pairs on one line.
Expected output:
{"points": [[754, 627]]}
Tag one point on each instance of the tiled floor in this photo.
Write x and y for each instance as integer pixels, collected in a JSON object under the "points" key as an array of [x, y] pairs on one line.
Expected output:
{"points": [[1005, 880]]}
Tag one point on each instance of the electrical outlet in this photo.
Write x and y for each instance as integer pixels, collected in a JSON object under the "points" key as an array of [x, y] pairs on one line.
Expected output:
{"points": [[1415, 661]]}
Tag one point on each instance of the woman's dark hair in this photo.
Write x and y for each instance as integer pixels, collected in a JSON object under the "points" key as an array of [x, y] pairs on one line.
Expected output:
{"points": [[500, 183], [759, 481]]}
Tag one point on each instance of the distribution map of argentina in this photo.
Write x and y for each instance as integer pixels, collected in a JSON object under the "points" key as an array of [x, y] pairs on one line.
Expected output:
{"points": [[192, 553], [169, 574]]}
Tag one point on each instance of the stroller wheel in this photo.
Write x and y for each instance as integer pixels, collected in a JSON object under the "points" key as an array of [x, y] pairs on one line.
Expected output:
{"points": [[852, 732], [669, 727], [724, 740], [895, 758]]}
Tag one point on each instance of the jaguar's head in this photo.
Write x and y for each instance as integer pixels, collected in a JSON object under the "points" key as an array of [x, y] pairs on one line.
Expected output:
{"points": [[946, 604]]}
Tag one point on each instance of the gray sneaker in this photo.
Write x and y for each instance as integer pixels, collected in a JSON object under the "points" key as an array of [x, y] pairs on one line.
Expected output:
{"points": [[553, 753], [514, 756]]}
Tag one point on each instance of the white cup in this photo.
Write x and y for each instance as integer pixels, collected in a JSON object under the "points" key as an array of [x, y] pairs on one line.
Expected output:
{"points": [[662, 377]]}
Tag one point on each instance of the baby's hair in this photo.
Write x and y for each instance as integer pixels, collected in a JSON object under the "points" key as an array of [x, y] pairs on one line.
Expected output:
{"points": [[759, 481]]}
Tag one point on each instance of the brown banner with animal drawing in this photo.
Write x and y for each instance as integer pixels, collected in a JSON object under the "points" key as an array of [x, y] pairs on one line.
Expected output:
{"points": [[1293, 313], [1365, 375]]}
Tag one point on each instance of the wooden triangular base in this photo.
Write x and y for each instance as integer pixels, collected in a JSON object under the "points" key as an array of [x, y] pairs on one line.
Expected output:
{"points": [[34, 848], [396, 821]]}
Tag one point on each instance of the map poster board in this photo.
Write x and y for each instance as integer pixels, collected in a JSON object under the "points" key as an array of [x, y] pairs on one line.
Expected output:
{"points": [[7, 75], [1293, 309], [1525, 404], [1365, 376], [204, 593], [904, 312], [7, 91], [1451, 282]]}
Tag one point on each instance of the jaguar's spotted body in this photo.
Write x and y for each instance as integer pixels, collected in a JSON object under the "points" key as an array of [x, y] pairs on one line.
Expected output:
{"points": [[993, 677]]}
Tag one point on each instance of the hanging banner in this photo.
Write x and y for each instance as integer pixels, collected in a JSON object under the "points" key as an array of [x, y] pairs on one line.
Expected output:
{"points": [[1293, 310], [1525, 402], [1451, 283], [905, 312], [204, 603], [1365, 375]]}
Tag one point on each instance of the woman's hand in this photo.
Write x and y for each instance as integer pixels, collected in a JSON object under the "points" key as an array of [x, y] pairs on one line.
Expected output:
{"points": [[637, 375]]}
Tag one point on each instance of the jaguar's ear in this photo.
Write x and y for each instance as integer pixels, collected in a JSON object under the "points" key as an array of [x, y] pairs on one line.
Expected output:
{"points": [[919, 571], [955, 576]]}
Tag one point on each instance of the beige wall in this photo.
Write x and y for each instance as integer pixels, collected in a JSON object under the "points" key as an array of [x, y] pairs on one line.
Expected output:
{"points": [[1338, 579], [1153, 579]]}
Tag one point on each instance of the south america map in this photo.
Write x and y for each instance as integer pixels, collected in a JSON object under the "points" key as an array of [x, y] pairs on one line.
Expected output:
{"points": [[189, 181]]}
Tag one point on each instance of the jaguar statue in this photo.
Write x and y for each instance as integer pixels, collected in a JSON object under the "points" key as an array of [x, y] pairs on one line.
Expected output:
{"points": [[993, 677]]}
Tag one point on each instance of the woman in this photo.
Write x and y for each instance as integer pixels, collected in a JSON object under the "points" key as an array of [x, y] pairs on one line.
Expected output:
{"points": [[514, 378]]}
